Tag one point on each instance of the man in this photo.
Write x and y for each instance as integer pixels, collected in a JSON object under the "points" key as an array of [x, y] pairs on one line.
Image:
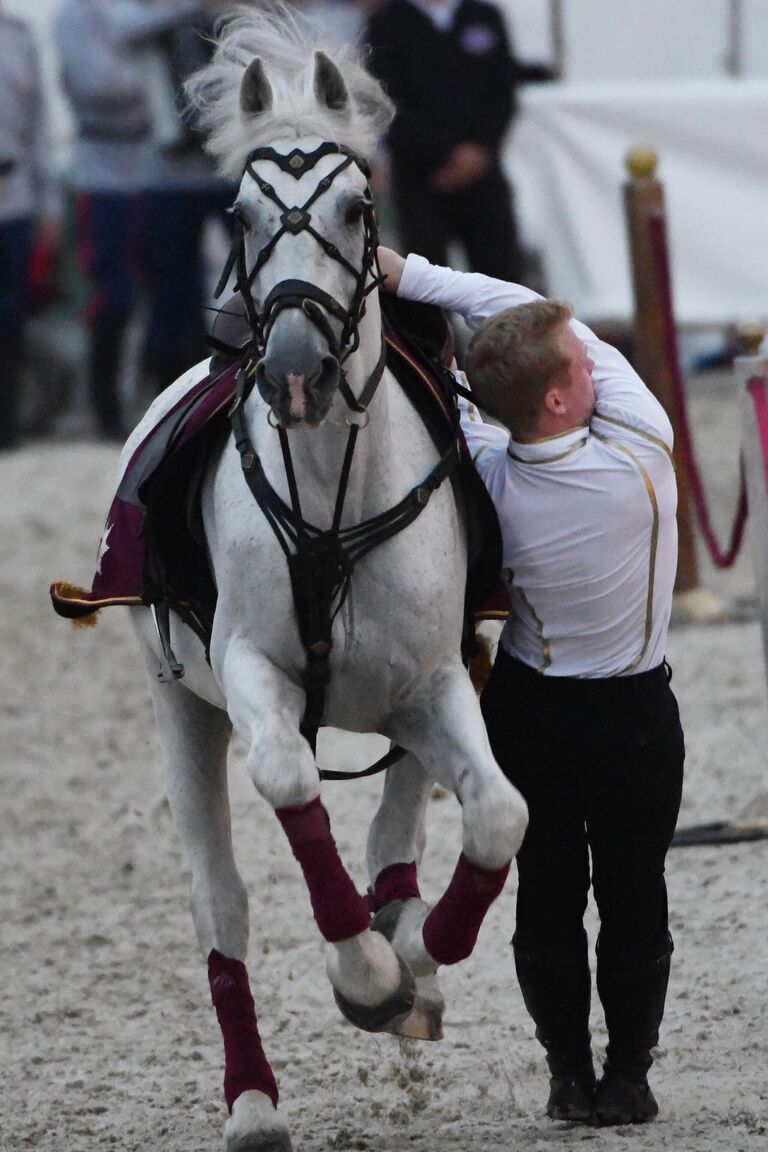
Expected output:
{"points": [[28, 202], [448, 67], [579, 710], [184, 193]]}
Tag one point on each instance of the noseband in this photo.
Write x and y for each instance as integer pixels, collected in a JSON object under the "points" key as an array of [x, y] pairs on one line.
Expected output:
{"points": [[320, 561]]}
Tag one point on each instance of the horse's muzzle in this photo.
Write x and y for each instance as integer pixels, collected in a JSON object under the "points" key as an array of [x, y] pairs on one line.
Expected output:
{"points": [[297, 392]]}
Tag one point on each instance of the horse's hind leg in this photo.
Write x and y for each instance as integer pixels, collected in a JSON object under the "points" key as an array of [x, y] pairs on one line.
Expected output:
{"points": [[397, 834], [194, 737], [396, 841]]}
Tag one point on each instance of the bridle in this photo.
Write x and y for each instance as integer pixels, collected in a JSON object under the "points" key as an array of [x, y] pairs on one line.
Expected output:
{"points": [[313, 301], [320, 561]]}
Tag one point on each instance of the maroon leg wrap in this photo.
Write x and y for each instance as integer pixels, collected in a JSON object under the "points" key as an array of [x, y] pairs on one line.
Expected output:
{"points": [[395, 882], [450, 930], [340, 910], [245, 1065]]}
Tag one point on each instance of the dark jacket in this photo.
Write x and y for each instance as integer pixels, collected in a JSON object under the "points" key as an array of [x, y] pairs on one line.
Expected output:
{"points": [[449, 87]]}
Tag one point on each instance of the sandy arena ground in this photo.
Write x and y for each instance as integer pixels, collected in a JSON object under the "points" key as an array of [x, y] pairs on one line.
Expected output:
{"points": [[107, 1037]]}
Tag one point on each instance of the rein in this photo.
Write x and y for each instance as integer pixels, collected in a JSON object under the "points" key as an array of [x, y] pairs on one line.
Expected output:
{"points": [[320, 561]]}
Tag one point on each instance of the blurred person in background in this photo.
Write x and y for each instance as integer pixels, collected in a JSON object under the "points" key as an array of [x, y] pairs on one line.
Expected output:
{"points": [[103, 75], [28, 202], [344, 19], [449, 68], [184, 193]]}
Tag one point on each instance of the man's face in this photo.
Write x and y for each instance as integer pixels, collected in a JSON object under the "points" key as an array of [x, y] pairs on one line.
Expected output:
{"points": [[578, 392]]}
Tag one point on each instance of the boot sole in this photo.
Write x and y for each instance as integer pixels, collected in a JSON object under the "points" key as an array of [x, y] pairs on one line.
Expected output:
{"points": [[619, 1119]]}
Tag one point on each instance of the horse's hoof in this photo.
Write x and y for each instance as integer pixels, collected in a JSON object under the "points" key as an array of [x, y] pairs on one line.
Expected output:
{"points": [[384, 1017], [280, 1143], [255, 1126], [425, 1021], [402, 923]]}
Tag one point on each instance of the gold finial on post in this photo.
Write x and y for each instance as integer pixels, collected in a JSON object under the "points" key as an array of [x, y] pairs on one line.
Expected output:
{"points": [[641, 163], [750, 336]]}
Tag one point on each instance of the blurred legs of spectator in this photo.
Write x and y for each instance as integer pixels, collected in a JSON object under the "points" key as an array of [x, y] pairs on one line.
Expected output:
{"points": [[109, 230], [175, 338], [16, 238], [479, 217]]}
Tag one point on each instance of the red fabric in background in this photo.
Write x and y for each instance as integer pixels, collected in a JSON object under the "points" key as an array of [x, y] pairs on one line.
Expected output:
{"points": [[42, 273]]}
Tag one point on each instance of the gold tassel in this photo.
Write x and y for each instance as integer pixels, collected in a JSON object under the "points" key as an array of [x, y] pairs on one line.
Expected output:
{"points": [[63, 590], [89, 621]]}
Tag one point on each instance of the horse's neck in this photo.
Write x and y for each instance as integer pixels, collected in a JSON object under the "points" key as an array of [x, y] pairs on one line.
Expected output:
{"points": [[392, 452]]}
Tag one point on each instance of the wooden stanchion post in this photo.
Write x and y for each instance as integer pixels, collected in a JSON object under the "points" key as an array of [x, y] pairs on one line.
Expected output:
{"points": [[754, 367], [644, 202]]}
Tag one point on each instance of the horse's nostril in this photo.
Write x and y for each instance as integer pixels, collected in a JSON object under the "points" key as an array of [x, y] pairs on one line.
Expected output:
{"points": [[265, 384]]}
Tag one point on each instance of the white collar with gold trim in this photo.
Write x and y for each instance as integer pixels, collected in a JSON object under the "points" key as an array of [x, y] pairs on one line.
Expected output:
{"points": [[549, 449]]}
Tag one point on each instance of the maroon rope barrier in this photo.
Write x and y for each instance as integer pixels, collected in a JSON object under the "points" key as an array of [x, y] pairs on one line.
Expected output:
{"points": [[720, 558], [756, 389]]}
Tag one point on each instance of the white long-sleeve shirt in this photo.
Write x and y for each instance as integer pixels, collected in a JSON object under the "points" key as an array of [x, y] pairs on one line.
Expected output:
{"points": [[587, 518]]}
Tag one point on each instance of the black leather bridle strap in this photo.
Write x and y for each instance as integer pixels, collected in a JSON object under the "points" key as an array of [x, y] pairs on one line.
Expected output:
{"points": [[297, 219]]}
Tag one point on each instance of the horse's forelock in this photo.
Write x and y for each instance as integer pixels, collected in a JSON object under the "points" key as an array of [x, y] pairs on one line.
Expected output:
{"points": [[286, 41]]}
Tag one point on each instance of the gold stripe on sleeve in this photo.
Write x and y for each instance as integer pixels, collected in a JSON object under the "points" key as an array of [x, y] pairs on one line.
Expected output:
{"points": [[652, 549], [546, 654]]}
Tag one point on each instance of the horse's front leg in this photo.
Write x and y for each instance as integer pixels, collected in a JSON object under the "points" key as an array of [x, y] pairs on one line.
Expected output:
{"points": [[194, 737], [372, 986], [442, 725]]}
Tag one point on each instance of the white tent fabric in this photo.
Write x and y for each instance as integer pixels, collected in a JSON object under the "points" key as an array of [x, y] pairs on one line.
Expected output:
{"points": [[566, 158]]}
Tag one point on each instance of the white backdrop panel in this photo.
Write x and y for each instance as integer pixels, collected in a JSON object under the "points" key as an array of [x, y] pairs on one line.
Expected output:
{"points": [[567, 160]]}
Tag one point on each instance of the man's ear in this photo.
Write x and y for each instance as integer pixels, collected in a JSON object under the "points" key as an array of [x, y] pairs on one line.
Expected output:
{"points": [[554, 401]]}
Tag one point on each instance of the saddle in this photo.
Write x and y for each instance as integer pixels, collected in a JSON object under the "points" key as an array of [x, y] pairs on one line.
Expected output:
{"points": [[153, 549]]}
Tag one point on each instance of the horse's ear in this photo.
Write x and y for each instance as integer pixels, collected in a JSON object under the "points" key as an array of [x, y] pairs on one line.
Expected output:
{"points": [[255, 89], [330, 88]]}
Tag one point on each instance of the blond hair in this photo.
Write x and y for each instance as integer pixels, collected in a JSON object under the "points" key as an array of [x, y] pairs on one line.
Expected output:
{"points": [[513, 360]]}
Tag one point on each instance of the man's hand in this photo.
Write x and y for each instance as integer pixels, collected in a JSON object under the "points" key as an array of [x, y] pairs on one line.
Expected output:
{"points": [[391, 264], [467, 163]]}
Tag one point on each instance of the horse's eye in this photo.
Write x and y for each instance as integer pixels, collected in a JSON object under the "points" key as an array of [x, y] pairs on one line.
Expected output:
{"points": [[354, 213]]}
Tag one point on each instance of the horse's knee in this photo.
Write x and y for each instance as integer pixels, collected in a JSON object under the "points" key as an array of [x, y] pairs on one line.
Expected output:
{"points": [[494, 825], [282, 767]]}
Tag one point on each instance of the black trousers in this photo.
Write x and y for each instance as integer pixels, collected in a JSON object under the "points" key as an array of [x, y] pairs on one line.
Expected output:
{"points": [[600, 764], [481, 218]]}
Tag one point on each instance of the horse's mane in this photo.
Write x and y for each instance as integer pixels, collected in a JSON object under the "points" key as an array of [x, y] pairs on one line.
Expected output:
{"points": [[286, 40]]}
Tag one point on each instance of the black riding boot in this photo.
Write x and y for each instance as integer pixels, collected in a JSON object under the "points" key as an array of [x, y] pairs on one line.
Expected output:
{"points": [[557, 993], [633, 1001], [106, 344]]}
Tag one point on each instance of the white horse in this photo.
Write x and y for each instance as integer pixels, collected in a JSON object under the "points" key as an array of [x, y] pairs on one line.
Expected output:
{"points": [[297, 122]]}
